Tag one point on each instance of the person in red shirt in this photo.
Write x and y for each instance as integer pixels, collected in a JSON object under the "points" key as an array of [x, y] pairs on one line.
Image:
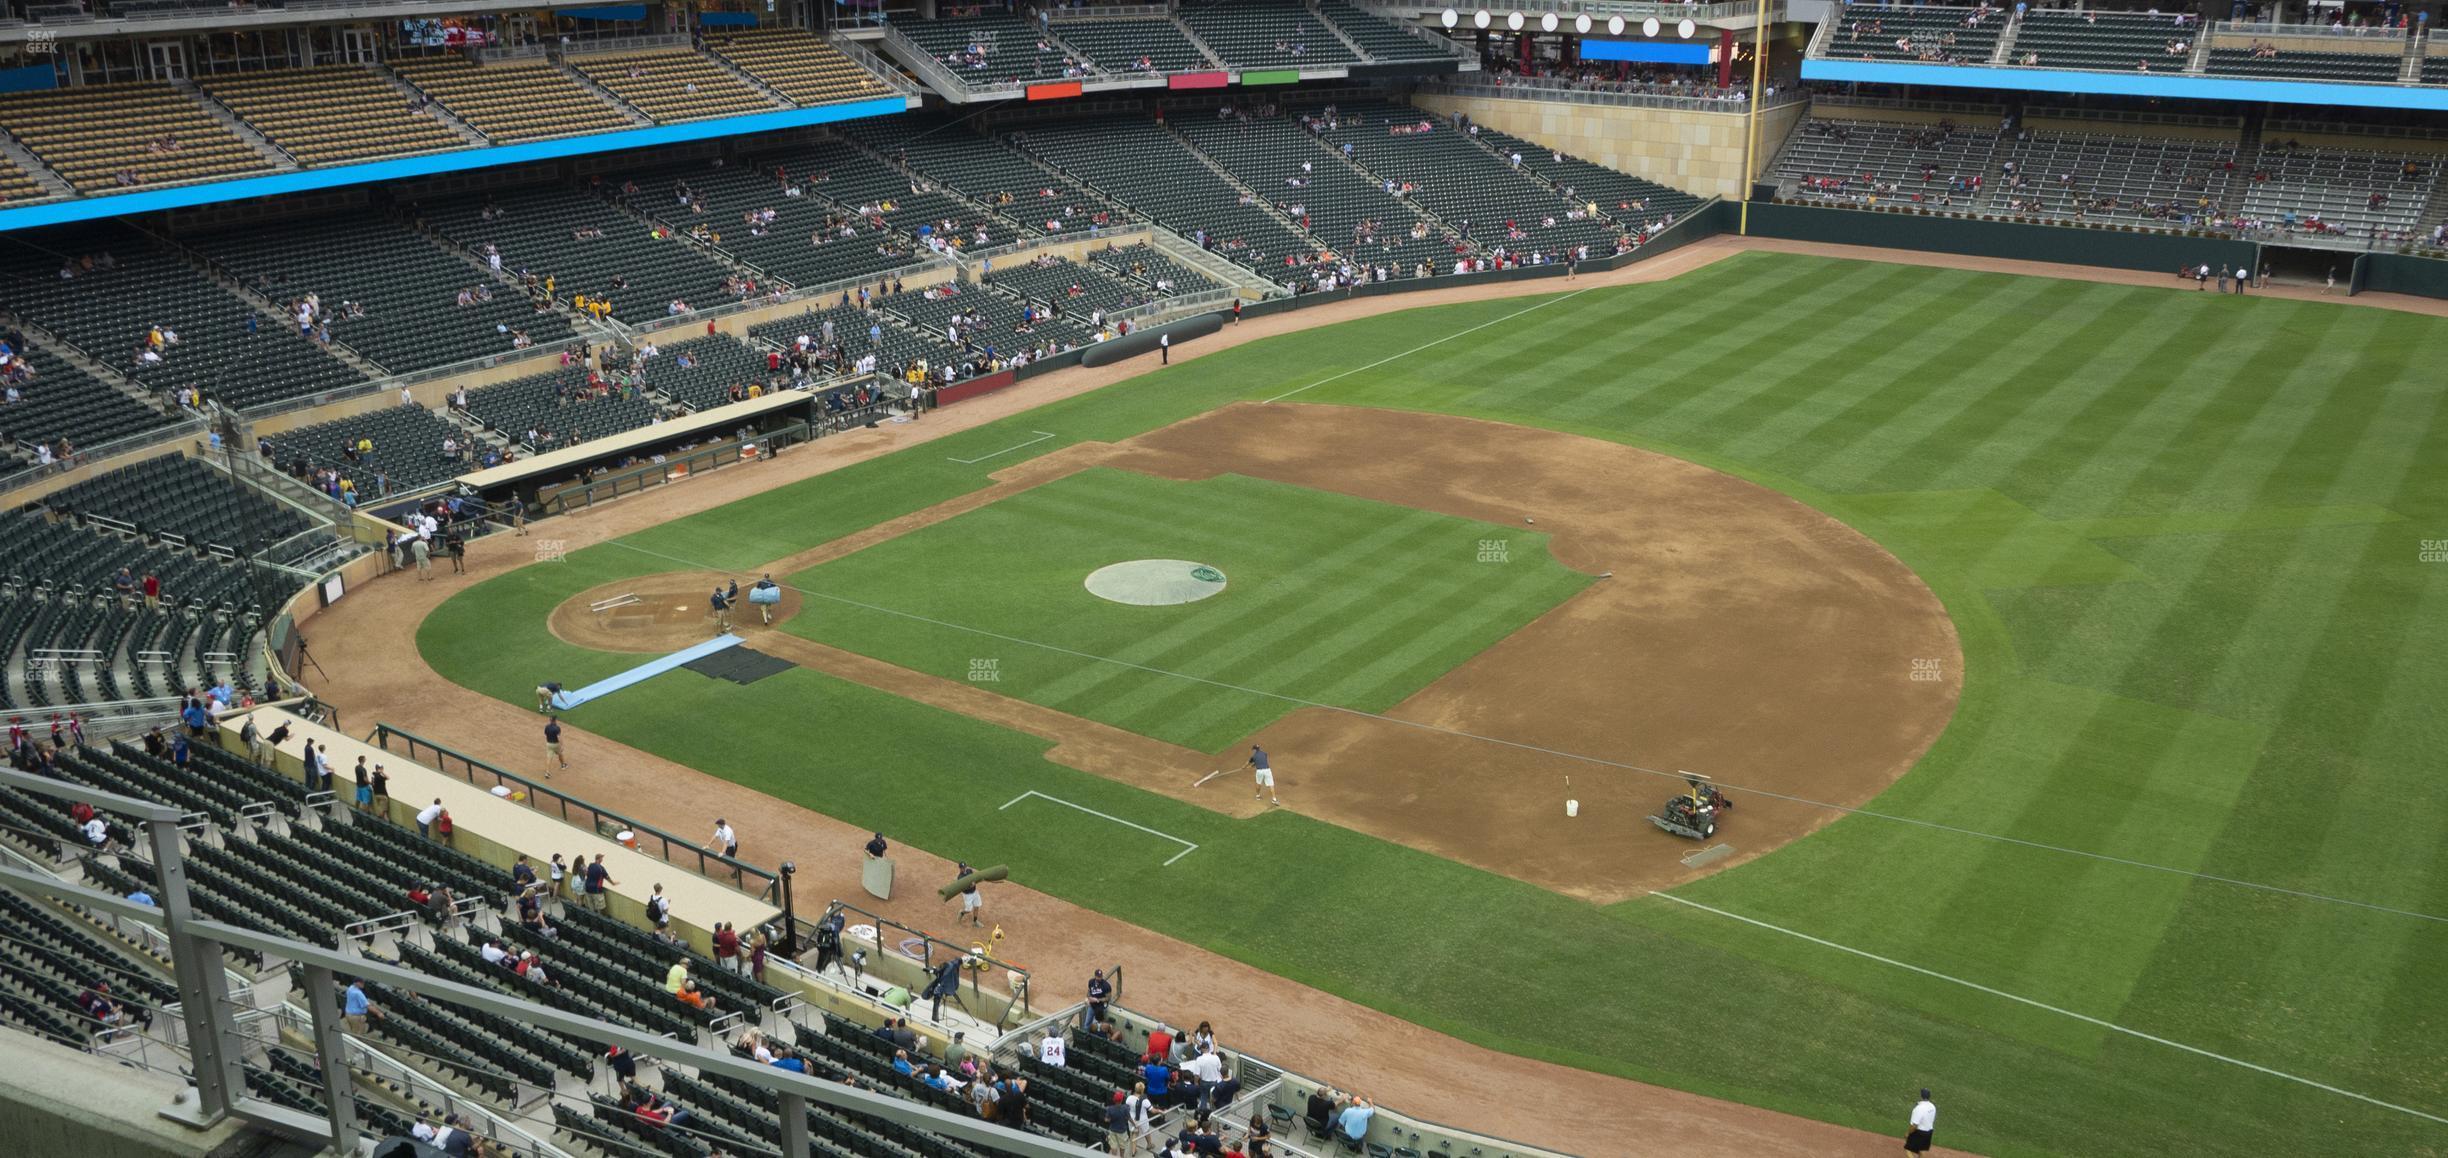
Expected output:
{"points": [[152, 589], [726, 947]]}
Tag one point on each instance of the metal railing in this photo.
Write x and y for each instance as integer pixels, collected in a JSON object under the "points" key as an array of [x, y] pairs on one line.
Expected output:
{"points": [[762, 884], [941, 76], [867, 58], [579, 496], [932, 953], [1736, 102], [102, 451], [217, 1044], [2337, 31], [1633, 11], [1129, 232]]}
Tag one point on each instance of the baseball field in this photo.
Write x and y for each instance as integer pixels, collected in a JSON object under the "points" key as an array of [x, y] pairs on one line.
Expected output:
{"points": [[2071, 651]]}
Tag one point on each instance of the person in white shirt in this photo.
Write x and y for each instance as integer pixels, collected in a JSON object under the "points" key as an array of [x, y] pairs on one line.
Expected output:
{"points": [[1924, 1125], [1208, 1065], [725, 841], [494, 954], [97, 833], [1052, 1051], [423, 1132]]}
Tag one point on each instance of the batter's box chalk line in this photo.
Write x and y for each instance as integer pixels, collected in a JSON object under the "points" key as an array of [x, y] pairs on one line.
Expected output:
{"points": [[1707, 855], [1187, 847], [1042, 435]]}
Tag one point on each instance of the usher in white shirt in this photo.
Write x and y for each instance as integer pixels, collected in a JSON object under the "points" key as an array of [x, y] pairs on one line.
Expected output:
{"points": [[1925, 1116]]}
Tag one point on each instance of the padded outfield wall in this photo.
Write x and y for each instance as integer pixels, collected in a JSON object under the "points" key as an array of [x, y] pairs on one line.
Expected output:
{"points": [[2006, 240]]}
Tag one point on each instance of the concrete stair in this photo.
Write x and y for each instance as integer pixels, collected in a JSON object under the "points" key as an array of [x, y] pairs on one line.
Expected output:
{"points": [[53, 185], [271, 153], [43, 339], [433, 108], [636, 115]]}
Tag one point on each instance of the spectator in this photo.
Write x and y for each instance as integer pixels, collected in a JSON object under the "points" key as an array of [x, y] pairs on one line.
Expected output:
{"points": [[726, 948], [1118, 1124], [1157, 1078], [597, 877], [1052, 1051], [1355, 1119], [1098, 991], [676, 977], [658, 910], [426, 816], [355, 1008]]}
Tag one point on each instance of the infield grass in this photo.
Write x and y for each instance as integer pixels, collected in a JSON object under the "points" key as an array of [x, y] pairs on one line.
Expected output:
{"points": [[2182, 536], [1328, 599]]}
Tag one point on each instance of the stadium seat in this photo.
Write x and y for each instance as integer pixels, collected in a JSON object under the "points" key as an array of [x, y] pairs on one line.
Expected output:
{"points": [[322, 116], [797, 64], [995, 51], [111, 138], [511, 102], [1267, 34], [674, 85]]}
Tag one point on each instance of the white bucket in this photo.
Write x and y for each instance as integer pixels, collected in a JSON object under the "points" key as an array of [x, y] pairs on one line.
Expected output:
{"points": [[1572, 808]]}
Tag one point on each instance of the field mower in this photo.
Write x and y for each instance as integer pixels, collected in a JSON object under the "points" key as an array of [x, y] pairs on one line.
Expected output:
{"points": [[1693, 815]]}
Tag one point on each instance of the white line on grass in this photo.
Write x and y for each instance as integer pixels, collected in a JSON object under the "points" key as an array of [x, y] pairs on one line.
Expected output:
{"points": [[1187, 847], [1561, 754], [2042, 1005], [1042, 435], [1438, 342]]}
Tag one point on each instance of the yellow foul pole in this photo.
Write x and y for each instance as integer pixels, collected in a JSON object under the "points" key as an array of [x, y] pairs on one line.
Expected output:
{"points": [[1759, 68]]}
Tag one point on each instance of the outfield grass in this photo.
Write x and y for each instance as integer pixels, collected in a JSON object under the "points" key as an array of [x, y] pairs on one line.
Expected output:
{"points": [[1330, 599], [2180, 534]]}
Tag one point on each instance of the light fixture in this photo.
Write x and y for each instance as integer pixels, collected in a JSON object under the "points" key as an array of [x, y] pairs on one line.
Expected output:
{"points": [[1547, 23], [1480, 18], [1684, 29], [1452, 18], [1514, 21], [1581, 24], [1649, 26], [1614, 25]]}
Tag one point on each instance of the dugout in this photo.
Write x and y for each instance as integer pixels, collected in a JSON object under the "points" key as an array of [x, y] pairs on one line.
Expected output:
{"points": [[773, 421]]}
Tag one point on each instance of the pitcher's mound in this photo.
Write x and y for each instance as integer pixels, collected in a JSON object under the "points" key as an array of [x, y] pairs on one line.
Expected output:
{"points": [[1155, 582], [660, 613]]}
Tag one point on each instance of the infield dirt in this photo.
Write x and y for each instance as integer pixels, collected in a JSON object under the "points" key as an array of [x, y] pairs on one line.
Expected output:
{"points": [[373, 672]]}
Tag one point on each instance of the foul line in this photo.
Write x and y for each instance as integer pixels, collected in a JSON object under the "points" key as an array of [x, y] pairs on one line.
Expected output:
{"points": [[1427, 345], [1042, 435], [1600, 761], [1187, 847], [2042, 1005]]}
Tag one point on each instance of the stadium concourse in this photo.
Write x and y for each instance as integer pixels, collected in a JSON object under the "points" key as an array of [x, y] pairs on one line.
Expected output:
{"points": [[368, 645]]}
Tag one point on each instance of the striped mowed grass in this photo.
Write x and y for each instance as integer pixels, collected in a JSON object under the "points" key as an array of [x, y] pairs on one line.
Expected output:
{"points": [[2192, 789], [1329, 599]]}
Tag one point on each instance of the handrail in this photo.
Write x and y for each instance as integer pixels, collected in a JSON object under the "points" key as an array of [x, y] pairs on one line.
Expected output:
{"points": [[867, 58], [2336, 31], [90, 455], [944, 79], [1124, 233], [762, 884], [1736, 102], [577, 496], [1017, 993]]}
